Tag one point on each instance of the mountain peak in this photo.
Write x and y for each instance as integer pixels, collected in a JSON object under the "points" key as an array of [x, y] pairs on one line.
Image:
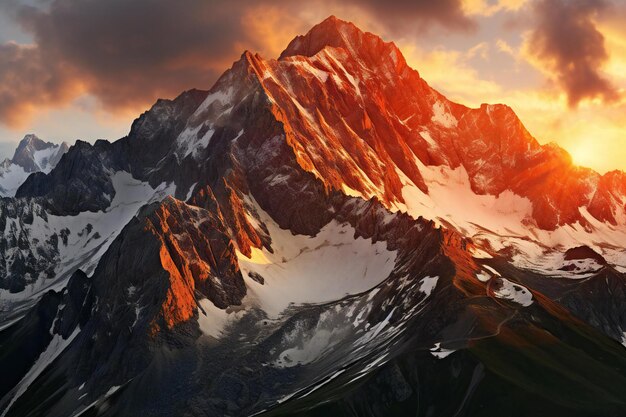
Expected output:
{"points": [[34, 154], [338, 33], [330, 32], [33, 141]]}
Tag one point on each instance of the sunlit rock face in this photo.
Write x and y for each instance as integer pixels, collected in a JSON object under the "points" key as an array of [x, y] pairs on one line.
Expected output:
{"points": [[360, 118], [321, 234]]}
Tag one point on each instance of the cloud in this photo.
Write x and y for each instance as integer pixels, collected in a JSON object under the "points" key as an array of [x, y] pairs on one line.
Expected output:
{"points": [[128, 53], [505, 47], [27, 81], [489, 8], [614, 31], [124, 52], [567, 44], [422, 13], [481, 50]]}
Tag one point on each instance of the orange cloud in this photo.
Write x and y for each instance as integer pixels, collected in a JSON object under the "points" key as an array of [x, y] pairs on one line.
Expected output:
{"points": [[27, 82]]}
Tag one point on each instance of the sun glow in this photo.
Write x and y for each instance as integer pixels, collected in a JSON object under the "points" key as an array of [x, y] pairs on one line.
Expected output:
{"points": [[584, 154]]}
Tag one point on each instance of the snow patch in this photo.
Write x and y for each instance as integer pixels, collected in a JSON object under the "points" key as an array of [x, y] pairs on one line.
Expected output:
{"points": [[43, 158], [483, 276], [213, 320], [350, 191], [450, 200], [439, 352], [112, 391], [190, 142], [425, 134], [514, 292], [428, 285], [442, 116]]}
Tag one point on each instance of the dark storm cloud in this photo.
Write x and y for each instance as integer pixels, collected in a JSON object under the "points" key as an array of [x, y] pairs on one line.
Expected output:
{"points": [[128, 53], [403, 15], [568, 42]]}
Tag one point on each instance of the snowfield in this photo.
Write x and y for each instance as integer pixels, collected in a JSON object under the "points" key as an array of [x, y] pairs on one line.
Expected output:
{"points": [[11, 177], [304, 270]]}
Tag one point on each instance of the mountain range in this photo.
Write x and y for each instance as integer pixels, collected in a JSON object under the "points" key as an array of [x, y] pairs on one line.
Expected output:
{"points": [[318, 234]]}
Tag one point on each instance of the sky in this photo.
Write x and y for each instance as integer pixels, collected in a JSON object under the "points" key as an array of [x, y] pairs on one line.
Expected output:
{"points": [[85, 69]]}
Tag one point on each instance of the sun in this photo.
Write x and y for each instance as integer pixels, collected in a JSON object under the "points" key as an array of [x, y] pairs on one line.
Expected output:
{"points": [[583, 154]]}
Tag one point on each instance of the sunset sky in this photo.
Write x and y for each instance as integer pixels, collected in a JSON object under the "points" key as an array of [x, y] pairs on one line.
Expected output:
{"points": [[84, 69]]}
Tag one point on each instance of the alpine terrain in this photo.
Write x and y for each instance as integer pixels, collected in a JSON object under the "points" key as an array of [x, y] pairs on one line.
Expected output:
{"points": [[32, 155], [321, 234]]}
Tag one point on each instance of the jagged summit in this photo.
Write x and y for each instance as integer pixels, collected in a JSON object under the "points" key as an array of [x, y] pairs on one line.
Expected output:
{"points": [[33, 154], [337, 33], [330, 32], [25, 150]]}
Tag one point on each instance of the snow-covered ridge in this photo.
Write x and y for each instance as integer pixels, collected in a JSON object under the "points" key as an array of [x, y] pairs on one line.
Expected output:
{"points": [[504, 224], [82, 239]]}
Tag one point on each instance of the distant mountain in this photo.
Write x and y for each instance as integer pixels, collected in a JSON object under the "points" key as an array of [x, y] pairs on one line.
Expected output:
{"points": [[31, 155], [318, 235]]}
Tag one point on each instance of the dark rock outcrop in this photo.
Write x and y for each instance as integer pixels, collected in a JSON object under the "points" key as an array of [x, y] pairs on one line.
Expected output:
{"points": [[584, 252]]}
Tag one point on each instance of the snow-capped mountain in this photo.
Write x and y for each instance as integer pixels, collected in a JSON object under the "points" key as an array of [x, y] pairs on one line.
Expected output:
{"points": [[32, 155], [321, 234]]}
